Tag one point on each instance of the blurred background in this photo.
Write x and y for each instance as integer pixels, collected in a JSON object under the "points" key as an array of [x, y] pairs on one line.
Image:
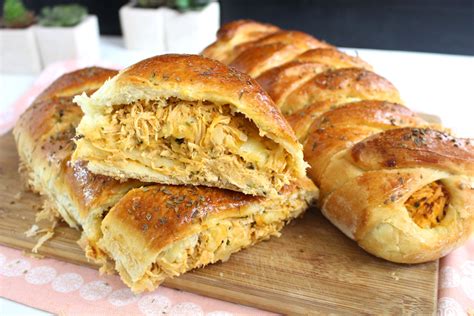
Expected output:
{"points": [[442, 26]]}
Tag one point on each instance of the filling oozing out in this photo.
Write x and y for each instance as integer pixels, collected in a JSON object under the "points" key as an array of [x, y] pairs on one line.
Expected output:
{"points": [[214, 244], [427, 206], [176, 136]]}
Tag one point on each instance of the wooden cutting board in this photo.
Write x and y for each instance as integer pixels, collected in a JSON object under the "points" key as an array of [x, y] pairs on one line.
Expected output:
{"points": [[312, 268]]}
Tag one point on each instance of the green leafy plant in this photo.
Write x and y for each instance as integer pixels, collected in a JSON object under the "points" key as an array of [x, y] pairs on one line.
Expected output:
{"points": [[62, 15], [15, 15], [186, 5], [181, 5], [151, 4]]}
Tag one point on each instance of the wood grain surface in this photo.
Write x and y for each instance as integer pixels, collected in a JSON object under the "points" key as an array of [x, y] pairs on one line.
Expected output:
{"points": [[311, 269]]}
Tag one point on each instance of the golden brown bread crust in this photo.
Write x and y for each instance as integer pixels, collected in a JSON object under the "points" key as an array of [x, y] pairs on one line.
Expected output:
{"points": [[273, 50], [415, 147], [43, 136], [297, 85], [43, 132], [48, 126], [91, 190], [276, 59], [372, 113], [295, 38], [369, 154], [280, 81], [302, 120], [229, 31], [235, 33], [258, 59], [76, 82], [335, 130], [298, 41], [341, 86], [333, 58]]}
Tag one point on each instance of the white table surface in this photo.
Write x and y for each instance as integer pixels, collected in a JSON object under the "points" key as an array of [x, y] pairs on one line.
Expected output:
{"points": [[437, 84]]}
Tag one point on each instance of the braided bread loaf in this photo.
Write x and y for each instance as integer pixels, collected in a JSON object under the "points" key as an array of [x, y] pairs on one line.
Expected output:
{"points": [[391, 181], [150, 232]]}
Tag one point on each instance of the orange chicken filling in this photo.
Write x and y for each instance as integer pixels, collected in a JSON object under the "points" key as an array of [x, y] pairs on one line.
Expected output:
{"points": [[183, 138], [427, 206]]}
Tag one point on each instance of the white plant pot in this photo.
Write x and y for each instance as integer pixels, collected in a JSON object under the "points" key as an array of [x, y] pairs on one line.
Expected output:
{"points": [[61, 43], [192, 31], [18, 51], [142, 29]]}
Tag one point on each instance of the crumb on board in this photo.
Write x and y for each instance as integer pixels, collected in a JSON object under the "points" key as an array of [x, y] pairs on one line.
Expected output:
{"points": [[42, 240], [35, 230], [18, 195], [32, 255], [221, 274], [32, 231], [107, 268], [49, 214], [395, 276]]}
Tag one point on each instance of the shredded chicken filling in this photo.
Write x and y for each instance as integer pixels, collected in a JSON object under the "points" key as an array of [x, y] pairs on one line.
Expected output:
{"points": [[427, 206], [174, 135], [214, 244], [221, 238]]}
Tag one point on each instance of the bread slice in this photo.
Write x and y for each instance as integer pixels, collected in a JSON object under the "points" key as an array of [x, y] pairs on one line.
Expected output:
{"points": [[157, 232], [185, 119]]}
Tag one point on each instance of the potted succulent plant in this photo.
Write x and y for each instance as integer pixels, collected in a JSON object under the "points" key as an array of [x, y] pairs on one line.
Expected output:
{"points": [[182, 26], [66, 31], [18, 50], [190, 25], [142, 25]]}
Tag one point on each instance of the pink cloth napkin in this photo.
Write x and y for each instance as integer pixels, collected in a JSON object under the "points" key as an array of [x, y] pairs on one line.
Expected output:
{"points": [[456, 282], [65, 288], [68, 289]]}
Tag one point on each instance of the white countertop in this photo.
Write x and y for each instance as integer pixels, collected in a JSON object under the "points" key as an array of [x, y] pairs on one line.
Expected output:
{"points": [[437, 84]]}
